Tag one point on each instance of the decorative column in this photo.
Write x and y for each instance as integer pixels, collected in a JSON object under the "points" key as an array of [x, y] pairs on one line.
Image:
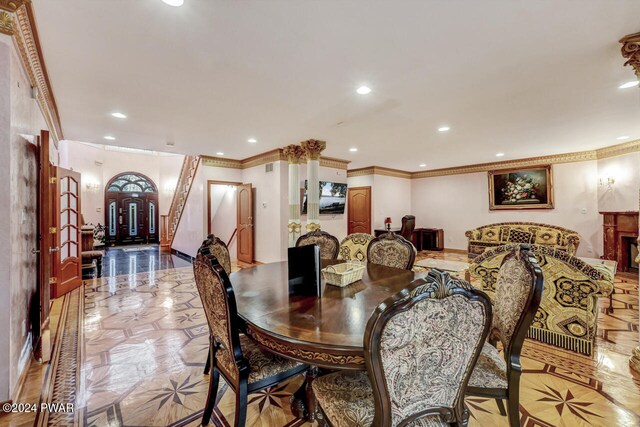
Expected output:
{"points": [[294, 154], [631, 51], [313, 148]]}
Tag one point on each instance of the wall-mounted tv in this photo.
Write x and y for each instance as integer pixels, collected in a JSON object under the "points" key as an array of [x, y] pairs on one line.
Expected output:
{"points": [[333, 196]]}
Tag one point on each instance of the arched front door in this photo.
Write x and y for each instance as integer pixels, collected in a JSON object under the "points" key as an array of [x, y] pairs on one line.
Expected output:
{"points": [[131, 209]]}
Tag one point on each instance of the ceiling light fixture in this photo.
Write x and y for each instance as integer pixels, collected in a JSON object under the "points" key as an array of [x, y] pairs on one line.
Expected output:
{"points": [[174, 3], [119, 115], [252, 140], [353, 150], [219, 153], [110, 138], [622, 138], [627, 85], [423, 165], [363, 90], [443, 128], [499, 154]]}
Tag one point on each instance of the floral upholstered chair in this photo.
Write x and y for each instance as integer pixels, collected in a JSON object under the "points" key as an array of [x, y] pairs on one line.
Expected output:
{"points": [[420, 347], [244, 366], [392, 250], [329, 245], [518, 291], [354, 247], [568, 313]]}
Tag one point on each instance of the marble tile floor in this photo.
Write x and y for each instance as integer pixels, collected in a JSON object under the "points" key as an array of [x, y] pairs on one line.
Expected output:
{"points": [[144, 342], [119, 260]]}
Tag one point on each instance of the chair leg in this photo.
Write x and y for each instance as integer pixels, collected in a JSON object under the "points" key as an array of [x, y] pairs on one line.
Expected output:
{"points": [[211, 396], [501, 407], [99, 266], [611, 302], [514, 404], [207, 365], [241, 405]]}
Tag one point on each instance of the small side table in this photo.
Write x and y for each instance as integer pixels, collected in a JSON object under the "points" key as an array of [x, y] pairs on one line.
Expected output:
{"points": [[458, 268]]}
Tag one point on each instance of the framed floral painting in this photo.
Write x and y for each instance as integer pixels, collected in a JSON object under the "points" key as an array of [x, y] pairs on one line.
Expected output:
{"points": [[529, 188]]}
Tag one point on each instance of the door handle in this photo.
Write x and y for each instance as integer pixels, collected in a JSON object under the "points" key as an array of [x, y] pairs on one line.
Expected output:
{"points": [[120, 219], [35, 251], [52, 250]]}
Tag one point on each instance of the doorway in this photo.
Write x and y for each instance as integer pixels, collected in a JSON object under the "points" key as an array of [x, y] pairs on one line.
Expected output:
{"points": [[359, 210], [131, 209]]}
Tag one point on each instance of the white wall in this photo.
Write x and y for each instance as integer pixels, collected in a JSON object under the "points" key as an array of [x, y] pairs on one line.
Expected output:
{"points": [[623, 194], [391, 198], [163, 170], [458, 203], [224, 209]]}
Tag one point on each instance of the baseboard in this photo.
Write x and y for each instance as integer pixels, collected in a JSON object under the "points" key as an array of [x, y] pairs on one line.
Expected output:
{"points": [[456, 251], [25, 362], [182, 255]]}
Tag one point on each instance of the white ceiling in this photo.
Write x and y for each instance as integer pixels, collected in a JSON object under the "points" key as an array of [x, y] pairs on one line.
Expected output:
{"points": [[526, 78]]}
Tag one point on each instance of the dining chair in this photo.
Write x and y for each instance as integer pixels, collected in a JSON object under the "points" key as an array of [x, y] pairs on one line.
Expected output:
{"points": [[518, 291], [354, 247], [244, 366], [420, 347], [329, 245], [408, 225], [218, 249], [391, 250]]}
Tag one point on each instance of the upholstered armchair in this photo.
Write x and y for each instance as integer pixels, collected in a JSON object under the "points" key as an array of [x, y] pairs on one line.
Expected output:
{"points": [[354, 247], [392, 250], [518, 291], [244, 366], [420, 347], [329, 245], [493, 235], [568, 313], [408, 225]]}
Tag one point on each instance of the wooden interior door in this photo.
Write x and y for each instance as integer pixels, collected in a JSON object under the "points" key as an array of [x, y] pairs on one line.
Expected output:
{"points": [[46, 224], [245, 223], [67, 265], [359, 210]]}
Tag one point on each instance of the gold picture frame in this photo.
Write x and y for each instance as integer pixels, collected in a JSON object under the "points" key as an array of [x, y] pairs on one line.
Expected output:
{"points": [[521, 188]]}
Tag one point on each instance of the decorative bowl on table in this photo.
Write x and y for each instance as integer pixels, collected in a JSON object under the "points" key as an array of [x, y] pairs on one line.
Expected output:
{"points": [[343, 274]]}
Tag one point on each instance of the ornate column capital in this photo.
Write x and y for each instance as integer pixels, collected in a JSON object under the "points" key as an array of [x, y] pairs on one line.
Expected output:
{"points": [[631, 50], [6, 23], [294, 153], [12, 5], [313, 148]]}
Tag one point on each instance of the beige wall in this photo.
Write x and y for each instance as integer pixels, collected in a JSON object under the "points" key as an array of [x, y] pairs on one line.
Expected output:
{"points": [[20, 121], [622, 196], [458, 203]]}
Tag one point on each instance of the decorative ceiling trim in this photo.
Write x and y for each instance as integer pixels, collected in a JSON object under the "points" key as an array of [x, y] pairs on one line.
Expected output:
{"points": [[27, 42], [270, 156], [580, 156], [631, 51]]}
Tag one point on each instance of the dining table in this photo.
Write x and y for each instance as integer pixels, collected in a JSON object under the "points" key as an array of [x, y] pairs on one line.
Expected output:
{"points": [[325, 331]]}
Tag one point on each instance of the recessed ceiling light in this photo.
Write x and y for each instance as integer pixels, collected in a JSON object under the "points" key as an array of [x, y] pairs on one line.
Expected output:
{"points": [[110, 138], [119, 115], [499, 154], [443, 128], [627, 85], [174, 3], [219, 153], [621, 138], [252, 140], [423, 165], [363, 90], [353, 150]]}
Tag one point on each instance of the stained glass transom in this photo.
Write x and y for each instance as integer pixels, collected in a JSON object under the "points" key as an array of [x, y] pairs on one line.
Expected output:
{"points": [[131, 183]]}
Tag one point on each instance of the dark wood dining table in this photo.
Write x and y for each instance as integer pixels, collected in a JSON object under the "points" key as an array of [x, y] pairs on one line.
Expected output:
{"points": [[325, 331]]}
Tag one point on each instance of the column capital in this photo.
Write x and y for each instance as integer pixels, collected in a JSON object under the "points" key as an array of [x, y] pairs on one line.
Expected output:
{"points": [[6, 23], [294, 153], [631, 50], [313, 148]]}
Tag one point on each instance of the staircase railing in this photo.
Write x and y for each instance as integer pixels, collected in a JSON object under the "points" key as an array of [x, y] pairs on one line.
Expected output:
{"points": [[181, 194]]}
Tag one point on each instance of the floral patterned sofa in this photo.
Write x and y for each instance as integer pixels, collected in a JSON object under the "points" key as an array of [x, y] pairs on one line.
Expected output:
{"points": [[492, 235], [568, 313]]}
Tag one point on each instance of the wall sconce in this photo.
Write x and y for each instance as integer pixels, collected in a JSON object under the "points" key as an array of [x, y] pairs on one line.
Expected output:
{"points": [[608, 181], [169, 189], [93, 186]]}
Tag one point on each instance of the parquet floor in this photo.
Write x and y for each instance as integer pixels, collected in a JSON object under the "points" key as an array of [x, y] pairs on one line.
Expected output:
{"points": [[142, 342]]}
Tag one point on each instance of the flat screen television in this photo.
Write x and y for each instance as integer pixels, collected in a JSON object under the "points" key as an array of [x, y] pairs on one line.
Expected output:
{"points": [[333, 197]]}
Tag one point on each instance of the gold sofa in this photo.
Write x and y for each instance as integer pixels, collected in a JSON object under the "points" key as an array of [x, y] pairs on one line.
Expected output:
{"points": [[568, 313], [492, 235]]}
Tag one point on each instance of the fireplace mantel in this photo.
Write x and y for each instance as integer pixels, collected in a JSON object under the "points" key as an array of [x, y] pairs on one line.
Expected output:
{"points": [[619, 226]]}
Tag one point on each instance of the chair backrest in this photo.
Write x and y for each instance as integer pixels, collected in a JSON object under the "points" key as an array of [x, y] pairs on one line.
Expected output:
{"points": [[408, 225], [354, 247], [219, 304], [391, 250], [421, 346], [329, 245], [219, 249]]}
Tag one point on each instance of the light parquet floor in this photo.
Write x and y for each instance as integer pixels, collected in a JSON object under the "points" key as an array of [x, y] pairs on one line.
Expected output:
{"points": [[144, 343]]}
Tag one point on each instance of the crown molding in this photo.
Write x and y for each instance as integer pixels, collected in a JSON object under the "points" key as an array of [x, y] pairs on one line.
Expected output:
{"points": [[27, 42], [219, 162], [330, 162], [580, 156], [270, 156]]}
